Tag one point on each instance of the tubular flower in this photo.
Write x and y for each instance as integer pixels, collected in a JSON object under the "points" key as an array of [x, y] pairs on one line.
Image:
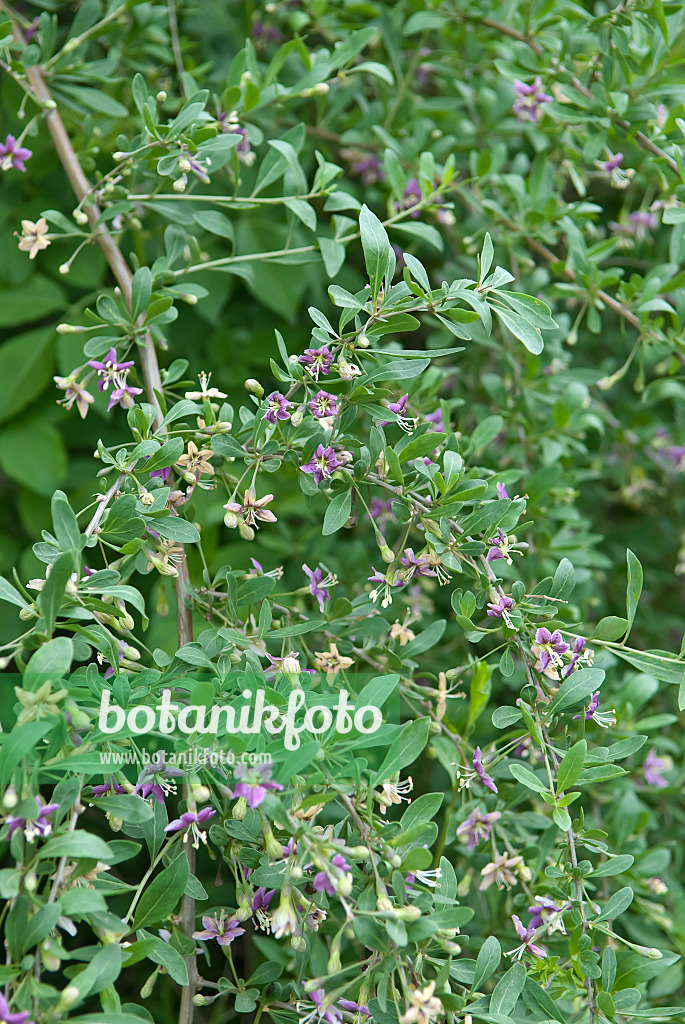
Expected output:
{"points": [[191, 821], [253, 510]]}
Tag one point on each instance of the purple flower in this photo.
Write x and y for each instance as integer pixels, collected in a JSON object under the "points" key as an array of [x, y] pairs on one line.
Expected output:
{"points": [[110, 786], [191, 821], [322, 464], [352, 1007], [500, 548], [613, 163], [153, 780], [323, 1010], [436, 419], [277, 408], [323, 404], [477, 827], [267, 33], [643, 219], [578, 648], [317, 361], [329, 880], [6, 1016], [316, 576], [224, 929], [122, 395], [109, 369], [481, 772], [261, 899], [548, 648], [411, 197], [527, 936], [384, 585], [529, 99], [12, 155], [369, 168], [416, 565], [653, 767], [496, 611], [254, 783], [674, 454], [40, 826], [399, 406], [502, 491], [379, 509], [545, 910]]}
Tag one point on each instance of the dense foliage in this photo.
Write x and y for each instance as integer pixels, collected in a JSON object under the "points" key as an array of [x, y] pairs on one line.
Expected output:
{"points": [[365, 322]]}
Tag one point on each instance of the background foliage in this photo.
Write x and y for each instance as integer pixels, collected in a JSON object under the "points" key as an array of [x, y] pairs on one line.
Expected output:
{"points": [[413, 106]]}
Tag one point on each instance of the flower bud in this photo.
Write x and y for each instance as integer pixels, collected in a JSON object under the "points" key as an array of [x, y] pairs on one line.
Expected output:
{"points": [[26, 613], [384, 903], [239, 809], [246, 532], [146, 498], [201, 793], [10, 798], [297, 416], [49, 960], [115, 823], [408, 913], [271, 844], [80, 216], [244, 912], [146, 990], [184, 165], [296, 873], [161, 96], [363, 341], [31, 881], [200, 1000], [69, 996], [66, 329], [298, 943], [253, 387], [334, 962], [387, 553], [231, 520], [320, 89], [179, 185], [64, 268]]}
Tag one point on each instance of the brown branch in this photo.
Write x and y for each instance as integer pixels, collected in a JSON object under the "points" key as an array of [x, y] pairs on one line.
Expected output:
{"points": [[123, 276]]}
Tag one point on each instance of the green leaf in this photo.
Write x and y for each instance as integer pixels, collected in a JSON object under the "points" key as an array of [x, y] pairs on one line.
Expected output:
{"points": [[65, 523], [52, 594], [333, 255], [564, 580], [526, 776], [405, 749], [417, 447], [169, 958], [508, 989], [536, 999], [51, 661], [16, 744], [611, 627], [421, 810], [634, 589], [571, 766], [77, 844], [530, 336], [26, 303], [101, 972], [577, 688], [163, 893], [40, 925], [486, 257], [614, 866], [216, 223], [376, 246], [615, 906], [175, 528], [130, 808], [337, 513], [93, 99], [11, 594], [487, 962]]}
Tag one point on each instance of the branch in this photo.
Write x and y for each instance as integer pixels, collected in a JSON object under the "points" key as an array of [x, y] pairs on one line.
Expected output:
{"points": [[123, 275]]}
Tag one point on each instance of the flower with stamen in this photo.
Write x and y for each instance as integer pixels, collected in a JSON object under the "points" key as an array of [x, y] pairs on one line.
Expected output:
{"points": [[394, 792], [205, 391], [195, 462], [155, 780], [466, 776], [123, 394], [416, 565], [74, 392], [223, 928], [346, 369], [501, 547], [254, 782], [477, 827], [318, 584], [253, 510], [323, 404], [389, 579], [322, 464], [34, 237], [505, 872], [317, 360], [400, 631], [13, 156], [331, 662], [334, 877], [502, 491], [429, 878], [527, 936], [499, 610], [191, 821], [547, 649], [425, 1007], [284, 919], [604, 719], [529, 99], [277, 408], [110, 786], [259, 906], [109, 369], [549, 913], [38, 826]]}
